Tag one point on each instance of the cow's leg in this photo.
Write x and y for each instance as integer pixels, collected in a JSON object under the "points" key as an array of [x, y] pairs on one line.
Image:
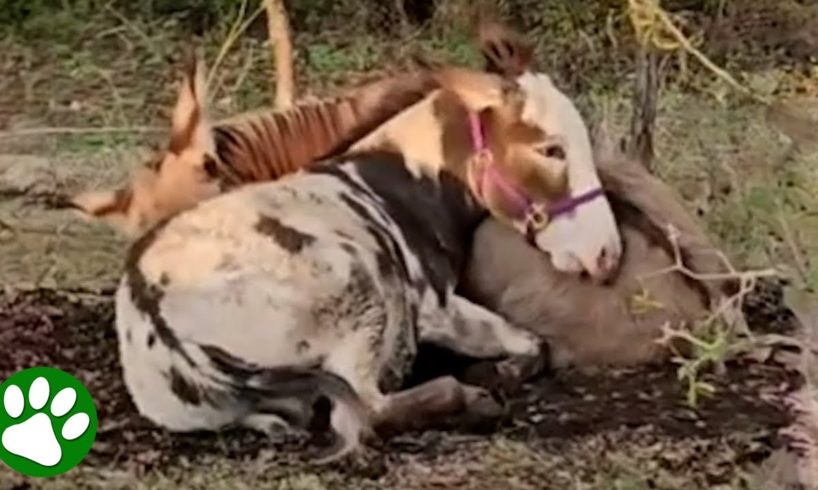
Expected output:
{"points": [[471, 329], [358, 361]]}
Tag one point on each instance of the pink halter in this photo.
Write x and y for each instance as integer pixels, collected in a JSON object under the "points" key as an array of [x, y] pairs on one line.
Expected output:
{"points": [[536, 215]]}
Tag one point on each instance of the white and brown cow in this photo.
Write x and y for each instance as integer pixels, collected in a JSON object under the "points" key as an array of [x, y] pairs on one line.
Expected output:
{"points": [[253, 305]]}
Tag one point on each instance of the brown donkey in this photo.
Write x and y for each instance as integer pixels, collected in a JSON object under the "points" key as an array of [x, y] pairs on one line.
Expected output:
{"points": [[588, 325], [202, 159]]}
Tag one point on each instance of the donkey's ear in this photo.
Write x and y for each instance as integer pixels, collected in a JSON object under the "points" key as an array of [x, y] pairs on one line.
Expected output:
{"points": [[111, 206], [190, 127], [477, 90], [504, 51]]}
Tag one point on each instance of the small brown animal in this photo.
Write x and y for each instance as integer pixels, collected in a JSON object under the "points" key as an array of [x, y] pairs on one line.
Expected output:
{"points": [[589, 325], [203, 159]]}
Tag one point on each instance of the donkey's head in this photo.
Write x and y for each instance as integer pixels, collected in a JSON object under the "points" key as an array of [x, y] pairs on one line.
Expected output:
{"points": [[176, 177], [523, 151], [581, 233]]}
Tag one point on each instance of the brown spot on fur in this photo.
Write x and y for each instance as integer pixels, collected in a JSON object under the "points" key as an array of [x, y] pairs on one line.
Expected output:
{"points": [[457, 144], [211, 168], [155, 163], [147, 297], [228, 262], [288, 238], [506, 137]]}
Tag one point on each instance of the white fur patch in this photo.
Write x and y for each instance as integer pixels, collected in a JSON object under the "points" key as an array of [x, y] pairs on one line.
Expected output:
{"points": [[224, 283], [575, 241]]}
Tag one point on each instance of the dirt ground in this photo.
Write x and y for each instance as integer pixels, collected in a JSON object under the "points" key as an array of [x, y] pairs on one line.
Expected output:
{"points": [[749, 173], [566, 430]]}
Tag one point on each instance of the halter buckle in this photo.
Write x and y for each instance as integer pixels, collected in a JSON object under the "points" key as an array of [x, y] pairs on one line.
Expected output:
{"points": [[537, 217]]}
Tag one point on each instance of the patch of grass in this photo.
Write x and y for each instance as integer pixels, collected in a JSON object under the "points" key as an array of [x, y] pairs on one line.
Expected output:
{"points": [[712, 344], [455, 47], [92, 144], [737, 173], [329, 59]]}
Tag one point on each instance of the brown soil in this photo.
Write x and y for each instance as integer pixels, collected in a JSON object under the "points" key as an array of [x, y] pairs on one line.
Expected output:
{"points": [[74, 332]]}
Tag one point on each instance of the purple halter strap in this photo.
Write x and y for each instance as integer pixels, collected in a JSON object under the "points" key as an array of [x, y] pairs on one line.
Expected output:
{"points": [[525, 205]]}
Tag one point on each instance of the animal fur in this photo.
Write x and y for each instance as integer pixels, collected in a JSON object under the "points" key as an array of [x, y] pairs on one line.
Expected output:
{"points": [[254, 305], [590, 325], [203, 159]]}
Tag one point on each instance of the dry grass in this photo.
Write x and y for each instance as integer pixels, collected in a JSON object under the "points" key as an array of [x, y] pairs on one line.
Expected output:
{"points": [[593, 463]]}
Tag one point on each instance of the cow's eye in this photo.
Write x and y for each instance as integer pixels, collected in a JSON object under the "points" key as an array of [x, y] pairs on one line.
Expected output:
{"points": [[553, 151]]}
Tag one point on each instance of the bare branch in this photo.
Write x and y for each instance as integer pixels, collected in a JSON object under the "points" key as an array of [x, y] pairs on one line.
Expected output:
{"points": [[730, 308], [278, 30]]}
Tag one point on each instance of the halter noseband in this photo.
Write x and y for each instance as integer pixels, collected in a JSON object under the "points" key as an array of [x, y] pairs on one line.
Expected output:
{"points": [[536, 214]]}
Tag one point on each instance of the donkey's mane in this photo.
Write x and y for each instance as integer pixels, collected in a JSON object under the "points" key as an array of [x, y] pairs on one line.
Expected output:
{"points": [[267, 145]]}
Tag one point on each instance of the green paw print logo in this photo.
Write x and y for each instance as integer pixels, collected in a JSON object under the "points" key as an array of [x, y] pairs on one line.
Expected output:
{"points": [[48, 422]]}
